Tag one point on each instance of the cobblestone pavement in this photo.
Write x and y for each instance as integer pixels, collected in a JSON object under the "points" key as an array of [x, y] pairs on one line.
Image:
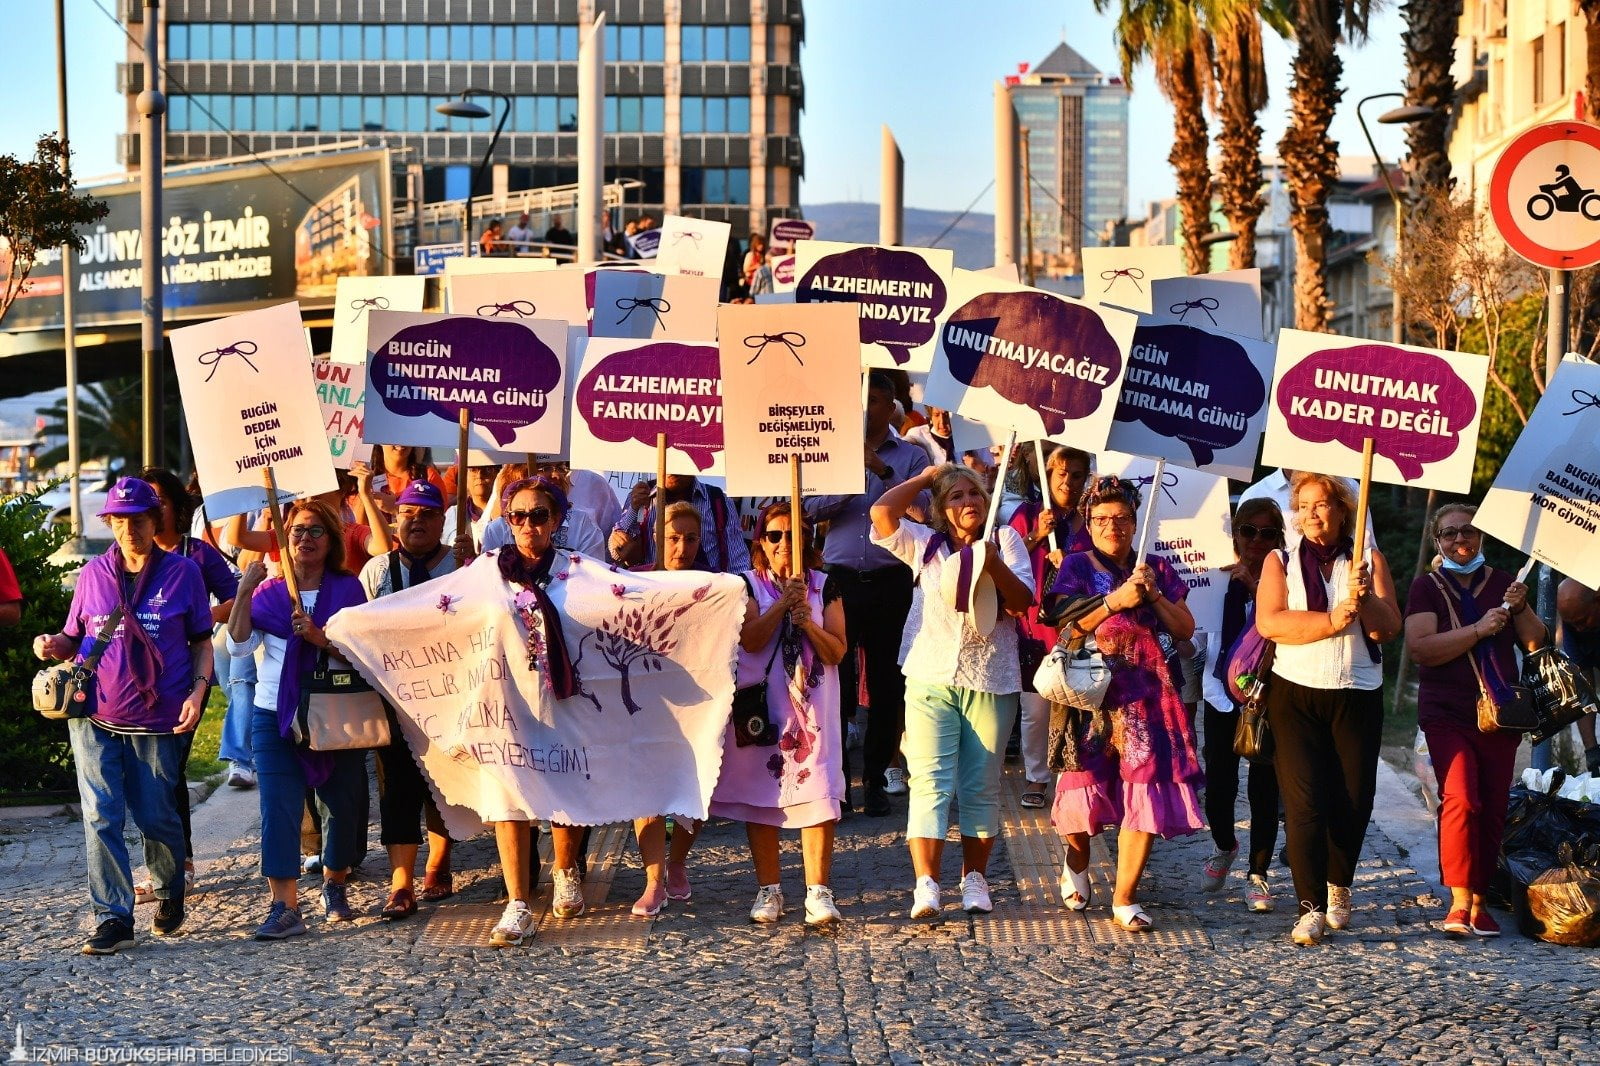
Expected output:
{"points": [[701, 984]]}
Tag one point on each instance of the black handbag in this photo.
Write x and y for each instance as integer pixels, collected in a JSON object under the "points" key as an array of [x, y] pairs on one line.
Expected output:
{"points": [[1561, 689], [752, 722], [1252, 736]]}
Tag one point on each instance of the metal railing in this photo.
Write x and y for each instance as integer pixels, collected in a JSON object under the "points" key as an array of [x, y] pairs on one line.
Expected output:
{"points": [[440, 222]]}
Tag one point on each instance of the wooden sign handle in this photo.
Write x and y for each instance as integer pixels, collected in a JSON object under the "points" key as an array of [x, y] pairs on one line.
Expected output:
{"points": [[1358, 555], [661, 501], [281, 535], [797, 559], [463, 516]]}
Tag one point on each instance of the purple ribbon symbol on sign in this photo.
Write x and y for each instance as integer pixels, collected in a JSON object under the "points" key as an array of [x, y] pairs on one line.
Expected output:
{"points": [[369, 302], [655, 304], [689, 234], [1207, 304], [1583, 399], [1168, 480], [243, 349], [520, 308], [789, 339], [1133, 274]]}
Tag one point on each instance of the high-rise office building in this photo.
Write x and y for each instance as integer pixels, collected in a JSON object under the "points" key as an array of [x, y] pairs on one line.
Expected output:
{"points": [[703, 97], [1077, 123]]}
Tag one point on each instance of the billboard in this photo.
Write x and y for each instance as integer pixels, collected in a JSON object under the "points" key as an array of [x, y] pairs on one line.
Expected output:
{"points": [[233, 239]]}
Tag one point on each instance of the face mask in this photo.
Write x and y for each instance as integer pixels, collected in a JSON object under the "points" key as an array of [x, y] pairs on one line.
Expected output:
{"points": [[1470, 567]]}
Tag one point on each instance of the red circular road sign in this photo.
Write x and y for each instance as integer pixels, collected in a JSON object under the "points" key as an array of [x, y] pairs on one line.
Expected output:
{"points": [[1544, 195]]}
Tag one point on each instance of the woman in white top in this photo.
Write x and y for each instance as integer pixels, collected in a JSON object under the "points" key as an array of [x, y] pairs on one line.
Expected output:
{"points": [[1325, 699], [961, 685]]}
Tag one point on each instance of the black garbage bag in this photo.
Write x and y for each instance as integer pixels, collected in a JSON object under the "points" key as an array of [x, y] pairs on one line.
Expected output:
{"points": [[1515, 871], [1542, 821], [1564, 903]]}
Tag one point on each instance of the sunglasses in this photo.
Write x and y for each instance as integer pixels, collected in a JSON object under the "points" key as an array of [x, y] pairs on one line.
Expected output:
{"points": [[419, 514], [1459, 533], [776, 536], [537, 517], [1271, 534], [304, 532]]}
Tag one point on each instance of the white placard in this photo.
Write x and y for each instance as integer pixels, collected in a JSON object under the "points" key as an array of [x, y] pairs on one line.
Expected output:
{"points": [[341, 390], [548, 294], [250, 401], [497, 264], [694, 246], [644, 306], [628, 391], [1421, 407], [355, 297], [1228, 300], [1122, 276], [1545, 501]]}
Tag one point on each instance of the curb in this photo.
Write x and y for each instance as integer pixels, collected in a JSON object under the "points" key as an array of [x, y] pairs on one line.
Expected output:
{"points": [[1406, 821], [199, 792]]}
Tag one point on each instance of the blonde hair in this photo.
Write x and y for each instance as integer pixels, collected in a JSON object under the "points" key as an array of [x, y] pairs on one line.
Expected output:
{"points": [[944, 483], [1337, 489]]}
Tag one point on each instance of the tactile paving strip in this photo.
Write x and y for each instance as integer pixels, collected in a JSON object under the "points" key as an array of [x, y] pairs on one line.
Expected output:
{"points": [[1035, 853]]}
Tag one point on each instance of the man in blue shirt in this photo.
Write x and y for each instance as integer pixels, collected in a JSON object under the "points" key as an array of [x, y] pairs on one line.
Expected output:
{"points": [[876, 589], [723, 548], [1579, 609]]}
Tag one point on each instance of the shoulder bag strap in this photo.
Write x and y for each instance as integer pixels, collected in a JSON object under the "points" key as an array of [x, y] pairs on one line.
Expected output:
{"points": [[394, 572], [1455, 623], [102, 640]]}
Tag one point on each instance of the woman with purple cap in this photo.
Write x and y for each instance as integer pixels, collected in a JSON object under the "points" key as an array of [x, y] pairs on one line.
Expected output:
{"points": [[149, 687], [1132, 766], [962, 672], [291, 636]]}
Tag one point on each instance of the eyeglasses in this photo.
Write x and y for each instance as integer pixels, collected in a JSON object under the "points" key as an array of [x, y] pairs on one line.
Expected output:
{"points": [[1271, 534], [775, 536], [1107, 521], [418, 514], [307, 532], [537, 517], [1459, 533]]}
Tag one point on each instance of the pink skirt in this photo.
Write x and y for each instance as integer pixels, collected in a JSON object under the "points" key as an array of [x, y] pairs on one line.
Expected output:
{"points": [[1167, 809]]}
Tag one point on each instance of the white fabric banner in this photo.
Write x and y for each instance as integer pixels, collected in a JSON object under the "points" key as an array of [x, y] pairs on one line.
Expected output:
{"points": [[654, 654]]}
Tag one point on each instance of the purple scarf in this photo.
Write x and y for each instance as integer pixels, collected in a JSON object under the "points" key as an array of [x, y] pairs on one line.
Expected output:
{"points": [[1313, 557], [271, 612], [534, 575], [1483, 650], [144, 658]]}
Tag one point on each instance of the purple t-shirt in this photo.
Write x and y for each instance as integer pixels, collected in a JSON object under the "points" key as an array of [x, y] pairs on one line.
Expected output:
{"points": [[175, 612], [219, 578], [1449, 691]]}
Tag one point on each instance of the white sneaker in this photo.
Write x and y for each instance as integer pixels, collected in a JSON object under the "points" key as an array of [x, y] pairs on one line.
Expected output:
{"points": [[1338, 907], [516, 921], [240, 776], [925, 899], [1214, 872], [894, 781], [1308, 930], [567, 894], [768, 906], [1259, 895], [975, 894], [820, 908]]}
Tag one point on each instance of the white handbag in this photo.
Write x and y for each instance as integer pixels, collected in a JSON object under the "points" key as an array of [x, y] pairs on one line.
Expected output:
{"points": [[1074, 674]]}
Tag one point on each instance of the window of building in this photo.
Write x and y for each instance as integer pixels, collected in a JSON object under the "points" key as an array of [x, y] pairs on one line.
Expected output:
{"points": [[567, 43], [178, 112], [655, 44], [328, 42], [1538, 71], [524, 49], [505, 49], [457, 181], [655, 114], [309, 118], [715, 185], [567, 114], [1559, 32], [483, 43], [350, 42], [307, 45]]}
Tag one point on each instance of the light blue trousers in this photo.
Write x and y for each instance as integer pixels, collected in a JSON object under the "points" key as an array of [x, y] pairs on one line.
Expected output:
{"points": [[955, 748]]}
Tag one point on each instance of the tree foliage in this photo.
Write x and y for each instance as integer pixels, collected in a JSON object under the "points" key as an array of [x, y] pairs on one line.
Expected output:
{"points": [[110, 424], [39, 212]]}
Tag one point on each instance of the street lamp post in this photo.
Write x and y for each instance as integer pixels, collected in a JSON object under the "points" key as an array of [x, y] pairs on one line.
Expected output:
{"points": [[465, 108], [1403, 115]]}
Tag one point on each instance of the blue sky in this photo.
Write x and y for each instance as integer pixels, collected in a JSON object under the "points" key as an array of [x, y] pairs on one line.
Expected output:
{"points": [[926, 68]]}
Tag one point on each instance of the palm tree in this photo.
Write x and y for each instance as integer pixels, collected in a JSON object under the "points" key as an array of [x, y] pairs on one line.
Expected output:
{"points": [[1171, 34], [110, 424], [1241, 93], [1310, 157], [1430, 42]]}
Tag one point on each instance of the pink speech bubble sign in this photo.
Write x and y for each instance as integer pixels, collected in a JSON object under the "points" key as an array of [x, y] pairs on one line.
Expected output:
{"points": [[1412, 404], [668, 388]]}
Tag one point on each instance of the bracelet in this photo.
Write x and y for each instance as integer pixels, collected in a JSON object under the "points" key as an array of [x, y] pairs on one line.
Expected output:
{"points": [[202, 679]]}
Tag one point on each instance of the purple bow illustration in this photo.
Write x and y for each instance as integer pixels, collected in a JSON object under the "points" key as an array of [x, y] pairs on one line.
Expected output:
{"points": [[1207, 304], [243, 349], [1168, 479], [655, 304], [519, 308], [1133, 274], [789, 339], [378, 303], [1583, 399]]}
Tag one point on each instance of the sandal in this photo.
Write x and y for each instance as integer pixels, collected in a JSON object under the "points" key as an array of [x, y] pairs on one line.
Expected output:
{"points": [[1132, 918], [433, 890], [1074, 887], [1033, 799]]}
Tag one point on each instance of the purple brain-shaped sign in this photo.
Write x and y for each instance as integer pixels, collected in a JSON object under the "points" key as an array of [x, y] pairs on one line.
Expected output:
{"points": [[899, 293], [500, 371], [1412, 404], [1192, 386], [1036, 350], [668, 388]]}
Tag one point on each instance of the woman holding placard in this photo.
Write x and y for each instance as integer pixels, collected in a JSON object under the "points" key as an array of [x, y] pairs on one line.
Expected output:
{"points": [[790, 773], [1051, 533], [1464, 622], [1257, 533], [1131, 766], [291, 636], [962, 672], [535, 508], [1327, 614]]}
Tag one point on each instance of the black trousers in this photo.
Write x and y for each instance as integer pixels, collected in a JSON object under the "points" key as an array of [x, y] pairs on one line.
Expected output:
{"points": [[1222, 793], [876, 603], [403, 797], [1326, 743]]}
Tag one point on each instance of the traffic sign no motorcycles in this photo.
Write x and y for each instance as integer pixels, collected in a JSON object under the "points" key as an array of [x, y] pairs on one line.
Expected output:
{"points": [[1544, 195]]}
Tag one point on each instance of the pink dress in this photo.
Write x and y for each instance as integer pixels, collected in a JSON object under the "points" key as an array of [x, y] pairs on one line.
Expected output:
{"points": [[799, 781]]}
